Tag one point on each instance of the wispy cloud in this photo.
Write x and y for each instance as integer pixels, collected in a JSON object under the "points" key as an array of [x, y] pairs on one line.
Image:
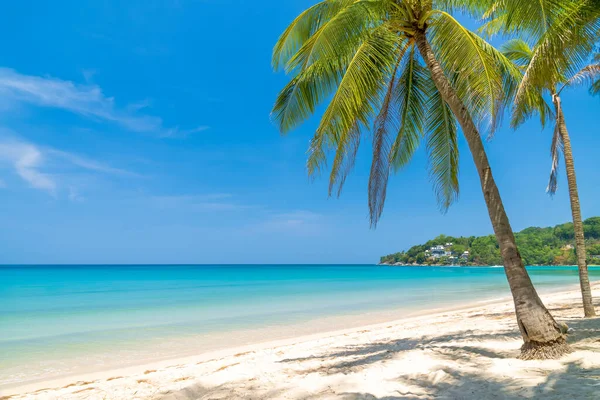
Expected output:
{"points": [[74, 195], [302, 222], [297, 217], [88, 74], [33, 164], [183, 133], [199, 203], [88, 164], [87, 100]]}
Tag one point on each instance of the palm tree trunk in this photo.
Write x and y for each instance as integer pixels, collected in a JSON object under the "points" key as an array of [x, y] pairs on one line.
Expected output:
{"points": [[542, 336], [584, 281]]}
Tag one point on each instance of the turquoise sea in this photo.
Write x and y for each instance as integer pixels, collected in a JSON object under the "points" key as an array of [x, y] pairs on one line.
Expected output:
{"points": [[59, 320]]}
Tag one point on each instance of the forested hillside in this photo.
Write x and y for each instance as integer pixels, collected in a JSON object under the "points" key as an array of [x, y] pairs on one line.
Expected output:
{"points": [[538, 246]]}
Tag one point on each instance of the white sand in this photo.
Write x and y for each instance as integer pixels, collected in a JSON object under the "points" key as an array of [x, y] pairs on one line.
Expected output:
{"points": [[462, 354]]}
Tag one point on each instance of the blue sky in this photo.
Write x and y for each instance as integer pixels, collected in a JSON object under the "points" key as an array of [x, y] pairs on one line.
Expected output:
{"points": [[139, 132]]}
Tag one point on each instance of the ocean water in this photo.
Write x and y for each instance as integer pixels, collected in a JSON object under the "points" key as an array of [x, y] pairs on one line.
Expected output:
{"points": [[61, 320]]}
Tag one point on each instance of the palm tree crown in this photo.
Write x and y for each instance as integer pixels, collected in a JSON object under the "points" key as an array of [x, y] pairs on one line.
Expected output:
{"points": [[521, 54], [361, 56], [562, 35]]}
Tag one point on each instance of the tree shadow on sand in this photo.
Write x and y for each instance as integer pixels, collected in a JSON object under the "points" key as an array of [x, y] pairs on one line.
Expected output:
{"points": [[575, 382], [351, 359], [470, 378]]}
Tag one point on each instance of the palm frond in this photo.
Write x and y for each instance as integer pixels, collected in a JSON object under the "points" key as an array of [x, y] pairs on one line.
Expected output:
{"points": [[556, 150], [442, 146], [386, 123], [345, 30], [413, 89], [299, 98], [477, 9], [518, 51], [533, 17], [587, 75], [302, 28], [480, 74], [343, 161], [532, 101], [492, 27], [357, 96]]}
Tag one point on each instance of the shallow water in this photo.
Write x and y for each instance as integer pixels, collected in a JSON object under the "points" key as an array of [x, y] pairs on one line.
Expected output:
{"points": [[57, 320]]}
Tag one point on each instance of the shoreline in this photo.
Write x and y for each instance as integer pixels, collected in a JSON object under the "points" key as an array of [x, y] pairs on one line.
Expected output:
{"points": [[378, 320], [48, 387]]}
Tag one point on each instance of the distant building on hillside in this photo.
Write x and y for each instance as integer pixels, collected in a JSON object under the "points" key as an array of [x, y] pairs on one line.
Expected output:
{"points": [[465, 255], [437, 251]]}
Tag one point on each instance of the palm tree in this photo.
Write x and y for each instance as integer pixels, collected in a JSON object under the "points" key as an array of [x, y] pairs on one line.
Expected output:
{"points": [[521, 53], [564, 33], [412, 71]]}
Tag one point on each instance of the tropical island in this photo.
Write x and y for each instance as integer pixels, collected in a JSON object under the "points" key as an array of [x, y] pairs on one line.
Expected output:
{"points": [[538, 246]]}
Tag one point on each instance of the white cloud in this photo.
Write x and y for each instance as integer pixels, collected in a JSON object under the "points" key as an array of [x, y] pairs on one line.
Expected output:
{"points": [[26, 160], [87, 100], [32, 164]]}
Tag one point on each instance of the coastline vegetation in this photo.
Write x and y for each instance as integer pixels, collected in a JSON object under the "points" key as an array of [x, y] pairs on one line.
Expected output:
{"points": [[538, 246]]}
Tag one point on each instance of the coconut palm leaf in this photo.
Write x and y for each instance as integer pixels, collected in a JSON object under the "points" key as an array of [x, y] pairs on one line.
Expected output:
{"points": [[518, 51], [482, 76], [385, 123], [587, 75], [341, 34], [402, 114], [532, 102], [442, 146], [556, 150], [411, 95], [300, 97], [356, 98], [303, 27]]}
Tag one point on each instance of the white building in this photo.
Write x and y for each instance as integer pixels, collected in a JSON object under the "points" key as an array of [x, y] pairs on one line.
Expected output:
{"points": [[438, 251]]}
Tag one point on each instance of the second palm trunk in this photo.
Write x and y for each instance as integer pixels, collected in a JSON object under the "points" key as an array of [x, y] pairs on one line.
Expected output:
{"points": [[584, 281]]}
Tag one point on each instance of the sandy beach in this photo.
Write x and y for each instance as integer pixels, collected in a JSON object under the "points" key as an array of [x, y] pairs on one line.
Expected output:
{"points": [[461, 354]]}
